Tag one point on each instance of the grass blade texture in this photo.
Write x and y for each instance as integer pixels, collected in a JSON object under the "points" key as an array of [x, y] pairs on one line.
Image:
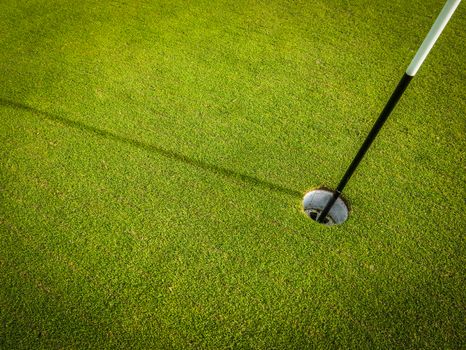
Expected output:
{"points": [[154, 155]]}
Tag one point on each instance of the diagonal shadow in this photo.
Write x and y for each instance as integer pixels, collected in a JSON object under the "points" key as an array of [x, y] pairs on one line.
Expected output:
{"points": [[153, 149]]}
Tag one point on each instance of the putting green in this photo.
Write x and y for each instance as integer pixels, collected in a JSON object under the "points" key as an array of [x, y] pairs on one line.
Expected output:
{"points": [[154, 158]]}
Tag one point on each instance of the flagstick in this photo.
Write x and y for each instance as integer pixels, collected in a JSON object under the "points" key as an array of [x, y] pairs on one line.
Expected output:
{"points": [[412, 69]]}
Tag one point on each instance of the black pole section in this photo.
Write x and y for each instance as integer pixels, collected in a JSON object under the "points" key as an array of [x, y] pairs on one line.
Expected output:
{"points": [[401, 87]]}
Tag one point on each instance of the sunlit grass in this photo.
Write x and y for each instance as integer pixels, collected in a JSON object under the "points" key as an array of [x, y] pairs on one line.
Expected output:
{"points": [[154, 156]]}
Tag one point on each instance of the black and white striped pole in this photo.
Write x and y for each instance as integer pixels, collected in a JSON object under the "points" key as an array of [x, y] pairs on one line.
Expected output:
{"points": [[445, 14]]}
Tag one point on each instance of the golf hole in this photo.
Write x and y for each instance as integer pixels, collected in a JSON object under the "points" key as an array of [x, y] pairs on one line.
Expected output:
{"points": [[314, 202]]}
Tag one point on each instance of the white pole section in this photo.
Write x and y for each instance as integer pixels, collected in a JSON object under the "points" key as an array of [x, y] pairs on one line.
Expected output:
{"points": [[432, 36]]}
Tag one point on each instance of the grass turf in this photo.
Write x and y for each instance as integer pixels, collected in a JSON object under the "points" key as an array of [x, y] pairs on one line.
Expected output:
{"points": [[154, 155]]}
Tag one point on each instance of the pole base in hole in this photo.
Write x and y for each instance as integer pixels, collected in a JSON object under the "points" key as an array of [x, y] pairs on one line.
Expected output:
{"points": [[314, 202]]}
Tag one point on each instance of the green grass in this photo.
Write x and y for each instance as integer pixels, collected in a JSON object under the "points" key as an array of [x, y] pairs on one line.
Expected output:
{"points": [[154, 155]]}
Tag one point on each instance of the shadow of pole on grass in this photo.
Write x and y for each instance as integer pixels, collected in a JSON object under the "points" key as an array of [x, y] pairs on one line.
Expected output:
{"points": [[151, 148]]}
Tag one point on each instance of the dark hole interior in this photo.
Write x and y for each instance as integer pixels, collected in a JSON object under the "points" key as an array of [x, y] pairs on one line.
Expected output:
{"points": [[313, 215]]}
